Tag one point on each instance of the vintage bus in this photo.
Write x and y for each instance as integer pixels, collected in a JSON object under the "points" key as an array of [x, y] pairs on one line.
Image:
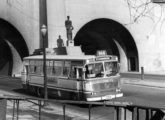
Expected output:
{"points": [[84, 77]]}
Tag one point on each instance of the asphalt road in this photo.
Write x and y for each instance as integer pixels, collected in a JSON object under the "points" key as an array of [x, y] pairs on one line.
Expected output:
{"points": [[143, 92], [12, 86], [144, 96]]}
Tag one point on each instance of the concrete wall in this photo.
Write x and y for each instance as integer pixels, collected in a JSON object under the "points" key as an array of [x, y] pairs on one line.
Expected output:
{"points": [[145, 25], [24, 16]]}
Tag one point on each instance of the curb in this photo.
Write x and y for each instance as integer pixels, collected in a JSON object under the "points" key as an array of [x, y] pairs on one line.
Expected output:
{"points": [[145, 83]]}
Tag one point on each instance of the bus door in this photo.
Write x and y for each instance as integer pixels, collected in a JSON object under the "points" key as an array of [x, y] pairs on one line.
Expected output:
{"points": [[79, 73], [79, 80]]}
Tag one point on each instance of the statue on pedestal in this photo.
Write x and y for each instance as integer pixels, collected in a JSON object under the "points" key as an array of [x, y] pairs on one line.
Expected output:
{"points": [[60, 42], [69, 28]]}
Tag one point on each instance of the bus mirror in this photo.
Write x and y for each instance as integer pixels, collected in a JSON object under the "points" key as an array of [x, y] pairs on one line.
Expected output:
{"points": [[84, 69]]}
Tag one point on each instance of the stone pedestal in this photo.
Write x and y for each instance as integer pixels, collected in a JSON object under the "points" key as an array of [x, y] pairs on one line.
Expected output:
{"points": [[70, 43]]}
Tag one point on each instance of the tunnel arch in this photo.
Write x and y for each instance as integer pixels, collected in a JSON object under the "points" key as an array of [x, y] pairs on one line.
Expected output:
{"points": [[9, 34], [105, 33]]}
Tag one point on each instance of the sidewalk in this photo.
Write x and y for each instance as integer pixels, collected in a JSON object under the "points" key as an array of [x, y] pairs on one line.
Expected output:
{"points": [[145, 82], [149, 80]]}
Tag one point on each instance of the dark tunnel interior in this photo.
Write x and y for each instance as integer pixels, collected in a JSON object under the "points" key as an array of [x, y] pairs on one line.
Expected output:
{"points": [[101, 34]]}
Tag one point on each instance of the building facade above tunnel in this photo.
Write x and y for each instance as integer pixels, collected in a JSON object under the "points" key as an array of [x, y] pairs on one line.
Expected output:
{"points": [[142, 20], [135, 30]]}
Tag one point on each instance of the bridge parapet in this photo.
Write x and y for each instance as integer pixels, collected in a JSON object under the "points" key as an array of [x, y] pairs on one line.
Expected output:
{"points": [[122, 109]]}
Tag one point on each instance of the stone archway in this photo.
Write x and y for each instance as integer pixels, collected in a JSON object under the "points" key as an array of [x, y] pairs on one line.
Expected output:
{"points": [[10, 36], [112, 36]]}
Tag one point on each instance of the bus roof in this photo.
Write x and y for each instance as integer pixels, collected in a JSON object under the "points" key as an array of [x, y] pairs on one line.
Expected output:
{"points": [[60, 57]]}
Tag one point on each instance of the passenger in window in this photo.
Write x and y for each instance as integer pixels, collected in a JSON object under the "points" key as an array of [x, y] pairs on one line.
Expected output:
{"points": [[108, 68], [99, 70], [91, 71]]}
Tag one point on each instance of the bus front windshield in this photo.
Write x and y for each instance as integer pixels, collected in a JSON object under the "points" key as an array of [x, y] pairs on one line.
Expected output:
{"points": [[106, 69], [111, 68]]}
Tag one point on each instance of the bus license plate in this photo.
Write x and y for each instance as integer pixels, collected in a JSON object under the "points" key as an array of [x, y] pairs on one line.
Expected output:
{"points": [[109, 96]]}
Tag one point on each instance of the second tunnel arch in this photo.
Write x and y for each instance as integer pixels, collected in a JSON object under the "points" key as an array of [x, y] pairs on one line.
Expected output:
{"points": [[12, 47], [108, 34]]}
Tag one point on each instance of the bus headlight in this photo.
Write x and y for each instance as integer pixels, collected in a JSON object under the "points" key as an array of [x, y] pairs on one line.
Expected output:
{"points": [[93, 93], [88, 87]]}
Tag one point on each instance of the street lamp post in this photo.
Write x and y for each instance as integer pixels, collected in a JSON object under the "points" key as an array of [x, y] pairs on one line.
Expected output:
{"points": [[44, 32]]}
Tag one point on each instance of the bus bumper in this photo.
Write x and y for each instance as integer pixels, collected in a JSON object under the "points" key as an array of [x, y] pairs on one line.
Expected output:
{"points": [[106, 97]]}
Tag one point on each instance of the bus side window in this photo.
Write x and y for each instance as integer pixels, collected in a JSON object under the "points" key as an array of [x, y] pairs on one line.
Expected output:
{"points": [[58, 71], [31, 69], [39, 69], [73, 72], [65, 71], [66, 68], [58, 68], [35, 69]]}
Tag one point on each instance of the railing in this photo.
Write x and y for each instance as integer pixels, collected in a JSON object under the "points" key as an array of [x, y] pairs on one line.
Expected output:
{"points": [[123, 110]]}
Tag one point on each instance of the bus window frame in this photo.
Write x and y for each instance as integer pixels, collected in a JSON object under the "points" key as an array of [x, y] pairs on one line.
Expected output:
{"points": [[32, 65]]}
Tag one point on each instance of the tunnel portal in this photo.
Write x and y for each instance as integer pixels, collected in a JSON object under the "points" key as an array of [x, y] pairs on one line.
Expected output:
{"points": [[102, 34]]}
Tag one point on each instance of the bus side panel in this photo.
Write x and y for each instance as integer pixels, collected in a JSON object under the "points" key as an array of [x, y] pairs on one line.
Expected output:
{"points": [[66, 88], [36, 80], [62, 88], [65, 83]]}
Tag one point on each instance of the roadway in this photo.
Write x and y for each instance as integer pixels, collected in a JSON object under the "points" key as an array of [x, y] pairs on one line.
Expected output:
{"points": [[143, 95]]}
